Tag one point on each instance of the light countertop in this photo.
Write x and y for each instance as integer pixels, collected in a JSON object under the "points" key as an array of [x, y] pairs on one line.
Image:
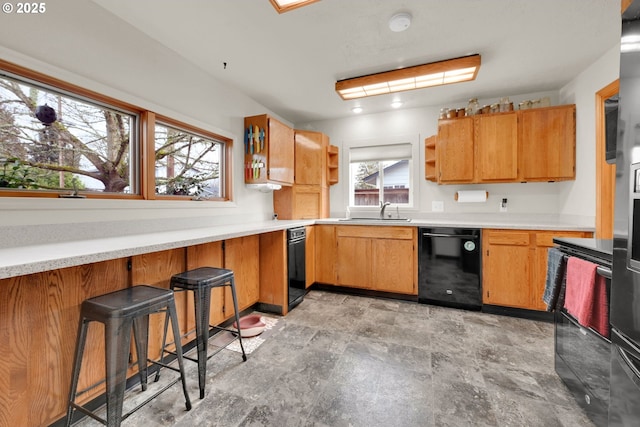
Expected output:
{"points": [[21, 258]]}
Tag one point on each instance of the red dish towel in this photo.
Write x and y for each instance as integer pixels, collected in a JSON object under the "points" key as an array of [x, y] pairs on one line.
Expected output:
{"points": [[586, 295]]}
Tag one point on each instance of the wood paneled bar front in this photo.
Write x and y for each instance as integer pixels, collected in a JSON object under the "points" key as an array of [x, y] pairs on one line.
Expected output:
{"points": [[39, 315]]}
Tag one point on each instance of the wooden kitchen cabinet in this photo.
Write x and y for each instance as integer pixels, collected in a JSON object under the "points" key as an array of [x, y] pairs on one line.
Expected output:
{"points": [[514, 266], [268, 151], [308, 198], [526, 145], [325, 254], [430, 159], [332, 164], [393, 263], [548, 143], [496, 140], [456, 151], [506, 268], [242, 255], [376, 258]]}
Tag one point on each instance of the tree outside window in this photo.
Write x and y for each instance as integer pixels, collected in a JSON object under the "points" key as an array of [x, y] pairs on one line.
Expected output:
{"points": [[54, 141], [187, 164]]}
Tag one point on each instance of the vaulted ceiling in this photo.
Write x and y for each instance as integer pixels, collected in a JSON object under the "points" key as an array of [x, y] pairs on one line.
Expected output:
{"points": [[290, 62]]}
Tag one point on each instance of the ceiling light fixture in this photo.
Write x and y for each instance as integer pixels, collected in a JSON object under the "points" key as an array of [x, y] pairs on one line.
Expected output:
{"points": [[400, 22], [396, 104], [357, 110], [286, 5], [417, 77]]}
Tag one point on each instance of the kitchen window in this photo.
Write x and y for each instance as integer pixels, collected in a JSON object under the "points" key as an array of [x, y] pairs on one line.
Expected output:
{"points": [[57, 139], [380, 173], [54, 141], [188, 163]]}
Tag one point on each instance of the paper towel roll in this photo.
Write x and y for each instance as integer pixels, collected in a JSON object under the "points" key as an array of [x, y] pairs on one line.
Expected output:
{"points": [[471, 196]]}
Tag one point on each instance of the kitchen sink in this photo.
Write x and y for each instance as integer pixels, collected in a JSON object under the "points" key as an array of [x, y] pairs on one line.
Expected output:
{"points": [[378, 220]]}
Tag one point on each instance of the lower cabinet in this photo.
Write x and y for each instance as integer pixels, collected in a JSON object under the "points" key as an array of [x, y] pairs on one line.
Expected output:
{"points": [[376, 258], [514, 266]]}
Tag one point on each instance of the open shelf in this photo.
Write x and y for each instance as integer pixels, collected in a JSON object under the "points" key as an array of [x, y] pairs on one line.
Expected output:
{"points": [[430, 166], [332, 164]]}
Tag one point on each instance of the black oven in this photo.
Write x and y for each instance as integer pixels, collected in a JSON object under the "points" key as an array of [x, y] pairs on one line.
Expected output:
{"points": [[582, 355]]}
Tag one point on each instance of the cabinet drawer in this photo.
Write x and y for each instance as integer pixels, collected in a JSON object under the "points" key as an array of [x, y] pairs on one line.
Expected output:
{"points": [[381, 232], [507, 238], [546, 238]]}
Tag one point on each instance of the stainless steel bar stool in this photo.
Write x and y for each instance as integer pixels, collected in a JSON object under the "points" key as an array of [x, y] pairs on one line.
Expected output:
{"points": [[201, 281], [120, 311]]}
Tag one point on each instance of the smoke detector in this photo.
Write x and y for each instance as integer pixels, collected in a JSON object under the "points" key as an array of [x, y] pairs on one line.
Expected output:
{"points": [[400, 22]]}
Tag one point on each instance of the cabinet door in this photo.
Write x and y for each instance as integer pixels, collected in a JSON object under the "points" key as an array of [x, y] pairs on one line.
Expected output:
{"points": [[280, 160], [325, 254], [310, 159], [354, 262], [206, 255], [506, 268], [548, 143], [455, 150], [393, 265], [496, 139], [242, 255]]}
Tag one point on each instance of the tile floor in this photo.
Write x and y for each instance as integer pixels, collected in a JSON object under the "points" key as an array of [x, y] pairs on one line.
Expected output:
{"points": [[340, 360]]}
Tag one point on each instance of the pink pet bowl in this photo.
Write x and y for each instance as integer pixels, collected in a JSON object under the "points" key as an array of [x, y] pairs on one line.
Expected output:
{"points": [[250, 325]]}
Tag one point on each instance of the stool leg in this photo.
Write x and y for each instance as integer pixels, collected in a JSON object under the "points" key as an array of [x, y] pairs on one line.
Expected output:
{"points": [[171, 312], [164, 344], [77, 363], [202, 303], [141, 338], [118, 340], [237, 315]]}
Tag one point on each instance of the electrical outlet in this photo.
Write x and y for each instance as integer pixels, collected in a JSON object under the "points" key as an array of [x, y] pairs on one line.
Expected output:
{"points": [[503, 205], [437, 206]]}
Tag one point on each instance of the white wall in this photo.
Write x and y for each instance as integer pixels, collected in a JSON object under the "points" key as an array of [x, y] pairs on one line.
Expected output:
{"points": [[578, 197], [81, 43], [571, 198]]}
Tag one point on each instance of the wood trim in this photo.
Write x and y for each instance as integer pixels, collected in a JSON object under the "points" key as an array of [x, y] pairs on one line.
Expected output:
{"points": [[605, 173], [624, 4], [147, 165], [282, 9]]}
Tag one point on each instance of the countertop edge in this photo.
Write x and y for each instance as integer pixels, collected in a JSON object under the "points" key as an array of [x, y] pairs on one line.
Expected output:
{"points": [[53, 256]]}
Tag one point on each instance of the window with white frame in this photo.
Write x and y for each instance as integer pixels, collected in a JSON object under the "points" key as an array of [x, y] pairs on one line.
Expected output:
{"points": [[380, 174]]}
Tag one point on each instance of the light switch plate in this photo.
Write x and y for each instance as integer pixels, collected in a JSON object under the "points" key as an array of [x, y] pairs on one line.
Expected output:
{"points": [[437, 206]]}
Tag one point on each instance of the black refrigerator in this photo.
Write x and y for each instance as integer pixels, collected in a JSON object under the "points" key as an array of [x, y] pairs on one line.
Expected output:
{"points": [[624, 403]]}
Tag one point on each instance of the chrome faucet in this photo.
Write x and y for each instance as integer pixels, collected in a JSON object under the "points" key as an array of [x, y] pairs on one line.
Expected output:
{"points": [[382, 206]]}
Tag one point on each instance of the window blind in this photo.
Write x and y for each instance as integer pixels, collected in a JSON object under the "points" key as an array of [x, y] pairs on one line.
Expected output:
{"points": [[380, 152]]}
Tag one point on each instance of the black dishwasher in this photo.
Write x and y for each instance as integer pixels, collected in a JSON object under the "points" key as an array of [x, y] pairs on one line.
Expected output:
{"points": [[449, 267], [296, 239]]}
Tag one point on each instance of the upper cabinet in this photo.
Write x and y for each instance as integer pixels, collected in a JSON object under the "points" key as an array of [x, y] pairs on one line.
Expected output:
{"points": [[548, 143], [268, 151], [526, 145], [332, 164], [496, 137], [455, 151], [308, 197]]}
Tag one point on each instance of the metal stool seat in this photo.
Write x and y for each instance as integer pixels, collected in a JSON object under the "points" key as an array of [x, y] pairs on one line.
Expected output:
{"points": [[200, 281], [121, 311]]}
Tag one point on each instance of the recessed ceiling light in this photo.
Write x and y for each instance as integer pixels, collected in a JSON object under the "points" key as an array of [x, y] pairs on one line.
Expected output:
{"points": [[357, 110], [396, 104], [400, 22]]}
